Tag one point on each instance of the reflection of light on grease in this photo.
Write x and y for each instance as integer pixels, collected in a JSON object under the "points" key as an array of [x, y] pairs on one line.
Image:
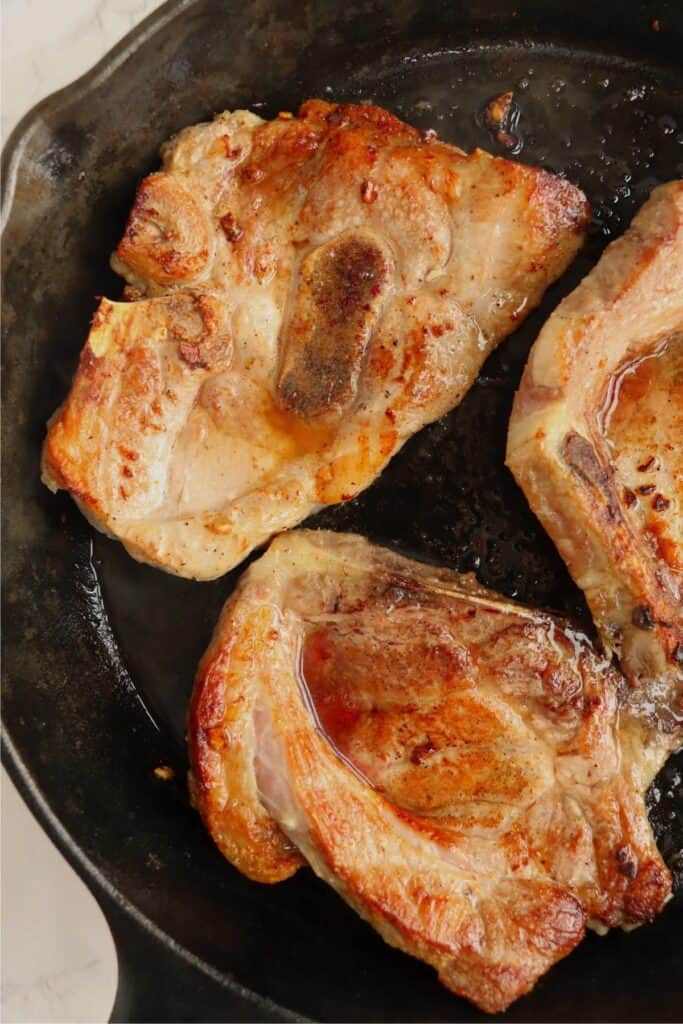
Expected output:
{"points": [[310, 705]]}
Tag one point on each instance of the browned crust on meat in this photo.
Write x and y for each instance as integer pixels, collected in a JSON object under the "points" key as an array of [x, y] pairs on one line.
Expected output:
{"points": [[352, 256], [222, 784], [559, 454], [167, 237], [490, 898]]}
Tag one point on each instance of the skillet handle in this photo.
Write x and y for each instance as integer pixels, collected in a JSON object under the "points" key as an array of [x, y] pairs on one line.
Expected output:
{"points": [[158, 984]]}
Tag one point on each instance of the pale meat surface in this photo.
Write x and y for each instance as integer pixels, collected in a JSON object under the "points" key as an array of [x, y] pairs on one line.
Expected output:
{"points": [[305, 294], [467, 773], [596, 442]]}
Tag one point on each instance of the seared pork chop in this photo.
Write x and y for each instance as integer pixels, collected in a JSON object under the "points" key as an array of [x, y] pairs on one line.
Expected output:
{"points": [[596, 440], [308, 293], [464, 771]]}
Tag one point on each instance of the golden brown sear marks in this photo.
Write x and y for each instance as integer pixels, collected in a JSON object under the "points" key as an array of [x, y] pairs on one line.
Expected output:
{"points": [[364, 271], [469, 774], [595, 442], [644, 432], [202, 332], [167, 238]]}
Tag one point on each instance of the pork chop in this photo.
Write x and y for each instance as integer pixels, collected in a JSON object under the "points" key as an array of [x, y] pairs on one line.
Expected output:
{"points": [[464, 771], [596, 440], [306, 294]]}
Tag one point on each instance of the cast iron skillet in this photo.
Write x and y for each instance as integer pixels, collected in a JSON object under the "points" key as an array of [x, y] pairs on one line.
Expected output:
{"points": [[100, 652]]}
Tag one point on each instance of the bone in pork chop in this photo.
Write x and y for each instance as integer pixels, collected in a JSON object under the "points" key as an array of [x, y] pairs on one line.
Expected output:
{"points": [[464, 771], [308, 293], [596, 442]]}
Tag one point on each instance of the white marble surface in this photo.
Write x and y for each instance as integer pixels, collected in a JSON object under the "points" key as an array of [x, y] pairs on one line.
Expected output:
{"points": [[58, 959], [48, 43], [58, 962]]}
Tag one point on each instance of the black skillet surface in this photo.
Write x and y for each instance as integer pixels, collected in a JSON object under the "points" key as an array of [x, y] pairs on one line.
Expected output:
{"points": [[99, 652]]}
